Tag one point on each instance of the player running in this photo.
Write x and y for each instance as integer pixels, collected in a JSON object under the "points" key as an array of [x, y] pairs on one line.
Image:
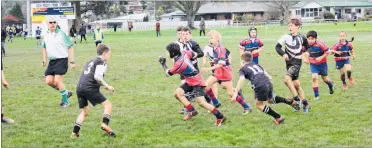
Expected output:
{"points": [[38, 36], [252, 44], [294, 43], [316, 55], [194, 82], [222, 72], [261, 85], [88, 87], [342, 50]]}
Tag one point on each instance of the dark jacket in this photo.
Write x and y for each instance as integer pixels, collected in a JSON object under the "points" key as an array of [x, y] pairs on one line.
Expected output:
{"points": [[83, 30]]}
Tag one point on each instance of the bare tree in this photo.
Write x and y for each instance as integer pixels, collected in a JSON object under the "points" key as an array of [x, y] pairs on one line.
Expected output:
{"points": [[190, 8], [282, 6]]}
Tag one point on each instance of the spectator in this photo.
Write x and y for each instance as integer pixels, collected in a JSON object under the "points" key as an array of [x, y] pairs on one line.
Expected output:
{"points": [[158, 29]]}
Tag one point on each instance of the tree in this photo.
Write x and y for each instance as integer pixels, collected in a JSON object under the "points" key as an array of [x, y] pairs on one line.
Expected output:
{"points": [[190, 8], [78, 14], [17, 11], [281, 5]]}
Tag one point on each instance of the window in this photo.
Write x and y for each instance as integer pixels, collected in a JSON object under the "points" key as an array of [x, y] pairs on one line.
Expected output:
{"points": [[302, 12], [347, 11], [227, 16], [358, 11], [214, 16], [298, 12]]}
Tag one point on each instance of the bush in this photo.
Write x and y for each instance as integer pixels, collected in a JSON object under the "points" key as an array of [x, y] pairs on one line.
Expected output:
{"points": [[328, 15], [368, 16]]}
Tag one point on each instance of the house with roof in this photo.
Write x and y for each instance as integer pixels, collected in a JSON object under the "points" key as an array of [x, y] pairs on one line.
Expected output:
{"points": [[310, 9], [223, 11]]}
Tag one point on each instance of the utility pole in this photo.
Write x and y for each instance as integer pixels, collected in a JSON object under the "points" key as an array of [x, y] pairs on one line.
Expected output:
{"points": [[29, 18]]}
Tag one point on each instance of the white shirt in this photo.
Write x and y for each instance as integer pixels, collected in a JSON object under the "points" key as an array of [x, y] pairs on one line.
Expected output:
{"points": [[56, 44]]}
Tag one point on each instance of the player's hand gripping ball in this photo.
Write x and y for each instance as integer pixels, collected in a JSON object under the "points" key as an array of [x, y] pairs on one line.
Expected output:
{"points": [[162, 60]]}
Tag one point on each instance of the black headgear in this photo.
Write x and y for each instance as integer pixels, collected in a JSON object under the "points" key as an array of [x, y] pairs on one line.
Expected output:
{"points": [[173, 49], [250, 29]]}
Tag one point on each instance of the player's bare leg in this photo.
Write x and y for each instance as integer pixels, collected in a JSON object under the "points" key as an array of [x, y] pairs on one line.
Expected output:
{"points": [[315, 85], [180, 95], [348, 72], [79, 122], [266, 109], [343, 77], [220, 117], [329, 82], [289, 83], [58, 80], [306, 104], [107, 112], [240, 99]]}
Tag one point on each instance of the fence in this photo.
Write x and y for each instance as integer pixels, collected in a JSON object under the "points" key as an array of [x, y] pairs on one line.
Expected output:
{"points": [[223, 23]]}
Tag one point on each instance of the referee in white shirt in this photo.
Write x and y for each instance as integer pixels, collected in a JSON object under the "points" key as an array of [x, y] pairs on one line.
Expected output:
{"points": [[57, 47]]}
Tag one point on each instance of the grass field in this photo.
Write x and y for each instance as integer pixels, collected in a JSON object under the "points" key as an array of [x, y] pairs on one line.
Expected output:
{"points": [[146, 113]]}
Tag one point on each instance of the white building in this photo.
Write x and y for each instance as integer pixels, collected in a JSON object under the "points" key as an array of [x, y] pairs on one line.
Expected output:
{"points": [[309, 9]]}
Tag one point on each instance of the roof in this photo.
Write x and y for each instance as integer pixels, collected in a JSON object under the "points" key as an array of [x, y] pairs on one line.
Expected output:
{"points": [[230, 7], [336, 3]]}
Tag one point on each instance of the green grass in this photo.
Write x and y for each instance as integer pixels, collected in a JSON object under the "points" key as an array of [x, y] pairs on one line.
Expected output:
{"points": [[146, 113]]}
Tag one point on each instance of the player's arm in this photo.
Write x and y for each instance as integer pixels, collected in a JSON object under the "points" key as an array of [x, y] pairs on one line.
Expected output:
{"points": [[240, 84], [221, 63], [71, 55], [241, 46], [44, 53], [98, 76], [260, 47], [352, 49], [278, 47], [3, 80], [196, 48], [163, 63]]}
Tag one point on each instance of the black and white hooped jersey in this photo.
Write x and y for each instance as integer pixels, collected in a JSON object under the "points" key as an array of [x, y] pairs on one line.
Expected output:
{"points": [[294, 45], [96, 66]]}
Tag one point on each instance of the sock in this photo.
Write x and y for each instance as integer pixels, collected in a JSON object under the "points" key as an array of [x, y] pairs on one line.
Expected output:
{"points": [[348, 74], [330, 84], [77, 128], [213, 97], [343, 78], [106, 119], [241, 101], [270, 112], [316, 91], [190, 108], [279, 99], [304, 102], [296, 98], [64, 96], [217, 113], [2, 116]]}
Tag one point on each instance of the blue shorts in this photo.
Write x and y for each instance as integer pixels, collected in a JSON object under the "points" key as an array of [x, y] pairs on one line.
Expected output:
{"points": [[321, 69], [255, 60], [340, 64]]}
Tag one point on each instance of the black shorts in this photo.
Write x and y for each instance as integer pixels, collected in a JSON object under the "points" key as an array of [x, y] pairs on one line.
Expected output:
{"points": [[93, 96], [38, 37], [264, 92], [293, 70], [193, 92], [57, 67], [98, 42], [196, 67]]}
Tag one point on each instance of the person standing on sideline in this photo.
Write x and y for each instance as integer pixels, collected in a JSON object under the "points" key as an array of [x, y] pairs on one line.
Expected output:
{"points": [[115, 26], [158, 29], [73, 33], [83, 32], [3, 37], [57, 47], [202, 26], [98, 35]]}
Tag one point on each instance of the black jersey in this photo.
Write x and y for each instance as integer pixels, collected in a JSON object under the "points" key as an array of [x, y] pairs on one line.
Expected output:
{"points": [[254, 73], [94, 67]]}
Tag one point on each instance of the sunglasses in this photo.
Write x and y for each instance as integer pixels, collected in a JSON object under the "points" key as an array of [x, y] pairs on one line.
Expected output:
{"points": [[52, 22]]}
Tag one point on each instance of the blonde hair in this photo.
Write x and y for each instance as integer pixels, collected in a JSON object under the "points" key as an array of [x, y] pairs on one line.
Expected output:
{"points": [[215, 33]]}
